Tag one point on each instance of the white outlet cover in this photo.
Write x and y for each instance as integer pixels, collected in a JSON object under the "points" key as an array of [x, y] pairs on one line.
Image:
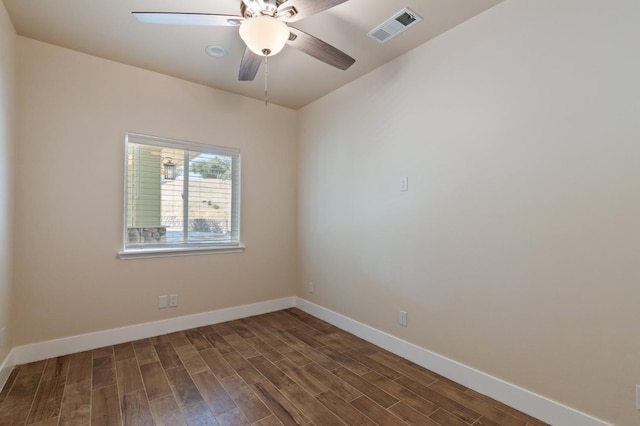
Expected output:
{"points": [[163, 302], [404, 183], [403, 318], [173, 300]]}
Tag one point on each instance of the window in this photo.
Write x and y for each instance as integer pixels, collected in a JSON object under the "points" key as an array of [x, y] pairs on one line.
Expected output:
{"points": [[180, 197]]}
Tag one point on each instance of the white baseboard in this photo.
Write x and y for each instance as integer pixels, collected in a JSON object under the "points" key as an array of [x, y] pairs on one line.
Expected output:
{"points": [[514, 396], [5, 368], [521, 399], [84, 342]]}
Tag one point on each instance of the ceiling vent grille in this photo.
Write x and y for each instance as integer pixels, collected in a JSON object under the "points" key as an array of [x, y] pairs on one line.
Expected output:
{"points": [[393, 26]]}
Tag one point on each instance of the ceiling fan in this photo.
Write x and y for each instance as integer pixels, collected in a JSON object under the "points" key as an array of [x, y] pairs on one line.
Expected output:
{"points": [[264, 29]]}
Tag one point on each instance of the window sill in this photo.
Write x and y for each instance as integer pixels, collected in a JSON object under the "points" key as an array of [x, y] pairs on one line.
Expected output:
{"points": [[177, 251]]}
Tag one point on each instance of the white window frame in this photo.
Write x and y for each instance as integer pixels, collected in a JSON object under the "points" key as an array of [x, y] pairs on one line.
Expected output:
{"points": [[183, 249]]}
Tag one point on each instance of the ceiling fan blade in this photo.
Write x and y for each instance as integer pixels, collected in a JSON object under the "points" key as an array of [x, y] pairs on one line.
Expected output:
{"points": [[188, 18], [319, 49], [249, 65], [304, 8]]}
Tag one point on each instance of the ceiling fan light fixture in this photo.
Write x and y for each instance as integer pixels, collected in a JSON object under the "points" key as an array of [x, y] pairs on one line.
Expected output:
{"points": [[264, 35]]}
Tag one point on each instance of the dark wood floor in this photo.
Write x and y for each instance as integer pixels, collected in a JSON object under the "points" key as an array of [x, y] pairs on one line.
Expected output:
{"points": [[283, 368]]}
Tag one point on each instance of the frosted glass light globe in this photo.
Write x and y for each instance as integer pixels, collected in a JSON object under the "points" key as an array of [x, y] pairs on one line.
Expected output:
{"points": [[264, 35]]}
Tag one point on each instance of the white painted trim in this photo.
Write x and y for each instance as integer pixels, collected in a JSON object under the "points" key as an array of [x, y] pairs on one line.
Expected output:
{"points": [[521, 399], [68, 345], [6, 367]]}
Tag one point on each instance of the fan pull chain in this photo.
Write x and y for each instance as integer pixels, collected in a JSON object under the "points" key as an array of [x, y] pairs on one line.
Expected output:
{"points": [[266, 84]]}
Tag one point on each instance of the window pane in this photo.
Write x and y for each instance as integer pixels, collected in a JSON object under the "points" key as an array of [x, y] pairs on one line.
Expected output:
{"points": [[210, 198], [177, 197]]}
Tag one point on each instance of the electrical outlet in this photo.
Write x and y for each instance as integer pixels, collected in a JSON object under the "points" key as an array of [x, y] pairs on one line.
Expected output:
{"points": [[173, 300], [404, 183], [163, 302], [402, 319], [310, 287]]}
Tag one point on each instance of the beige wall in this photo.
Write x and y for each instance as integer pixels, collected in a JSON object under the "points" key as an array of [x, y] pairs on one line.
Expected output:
{"points": [[515, 250], [7, 83], [73, 112]]}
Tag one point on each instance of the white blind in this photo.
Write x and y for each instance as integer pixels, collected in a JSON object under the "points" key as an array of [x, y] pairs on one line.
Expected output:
{"points": [[180, 194]]}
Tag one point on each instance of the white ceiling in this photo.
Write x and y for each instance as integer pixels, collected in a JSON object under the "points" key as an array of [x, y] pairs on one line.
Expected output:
{"points": [[108, 30]]}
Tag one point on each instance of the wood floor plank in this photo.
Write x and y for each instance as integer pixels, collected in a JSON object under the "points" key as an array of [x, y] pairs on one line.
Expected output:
{"points": [[213, 393], [335, 342], [50, 422], [105, 407], [345, 360], [76, 404], [184, 389], [287, 413], [216, 363], [240, 329], [166, 411], [104, 372], [265, 349], [271, 372], [376, 413], [247, 371], [248, 402], [440, 400], [304, 337], [411, 416], [403, 394], [199, 415], [56, 367], [376, 394], [488, 411], [420, 374], [268, 421], [513, 412], [232, 418], [167, 355], [105, 351], [145, 351], [216, 340], [135, 409], [7, 386], [317, 357], [16, 406], [48, 400], [155, 381], [310, 406], [374, 365], [289, 352], [241, 346], [177, 340], [445, 418], [192, 360], [80, 366], [302, 377], [345, 411], [128, 375], [332, 382], [198, 341], [124, 351], [32, 368], [157, 340], [223, 329]]}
